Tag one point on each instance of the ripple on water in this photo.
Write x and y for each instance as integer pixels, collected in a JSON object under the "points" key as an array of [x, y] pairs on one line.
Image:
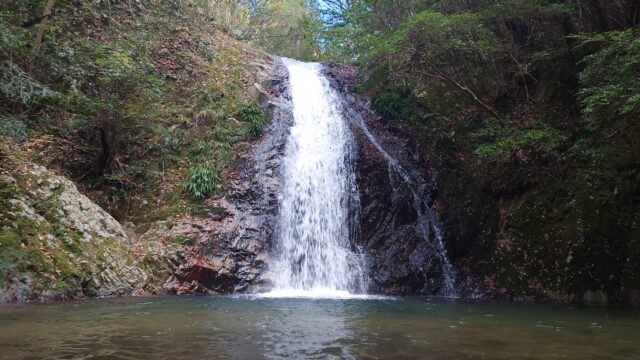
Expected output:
{"points": [[256, 327]]}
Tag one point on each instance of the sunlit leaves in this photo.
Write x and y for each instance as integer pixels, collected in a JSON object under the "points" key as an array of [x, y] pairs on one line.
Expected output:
{"points": [[541, 142]]}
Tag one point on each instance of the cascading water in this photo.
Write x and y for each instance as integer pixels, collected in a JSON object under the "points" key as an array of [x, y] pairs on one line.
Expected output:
{"points": [[427, 220], [318, 195]]}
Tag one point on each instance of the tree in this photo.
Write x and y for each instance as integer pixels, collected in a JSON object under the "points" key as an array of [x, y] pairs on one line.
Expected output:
{"points": [[289, 28], [456, 50], [610, 94], [605, 15]]}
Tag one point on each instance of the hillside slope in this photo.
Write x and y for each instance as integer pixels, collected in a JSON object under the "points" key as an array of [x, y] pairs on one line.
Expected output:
{"points": [[528, 111], [145, 106]]}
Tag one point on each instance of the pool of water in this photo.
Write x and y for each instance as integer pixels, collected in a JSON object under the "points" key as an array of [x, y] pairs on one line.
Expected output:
{"points": [[227, 327]]}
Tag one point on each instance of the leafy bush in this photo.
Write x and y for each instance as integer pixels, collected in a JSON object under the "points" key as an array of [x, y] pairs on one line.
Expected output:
{"points": [[610, 87], [540, 141], [201, 181], [14, 127], [253, 115]]}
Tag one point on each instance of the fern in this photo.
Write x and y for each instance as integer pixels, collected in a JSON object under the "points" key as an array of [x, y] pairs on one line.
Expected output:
{"points": [[253, 115], [17, 85]]}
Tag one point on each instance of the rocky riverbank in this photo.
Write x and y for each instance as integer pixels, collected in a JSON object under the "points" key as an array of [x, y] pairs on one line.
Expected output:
{"points": [[55, 243]]}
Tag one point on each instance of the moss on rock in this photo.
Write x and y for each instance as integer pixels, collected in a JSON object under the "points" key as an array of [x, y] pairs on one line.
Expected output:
{"points": [[55, 242]]}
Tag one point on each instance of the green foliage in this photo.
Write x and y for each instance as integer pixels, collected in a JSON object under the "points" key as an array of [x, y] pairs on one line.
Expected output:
{"points": [[348, 38], [201, 181], [432, 52], [107, 76], [542, 142], [400, 104], [230, 15], [18, 86], [610, 94], [13, 39], [462, 35], [14, 127], [253, 115], [366, 24], [516, 7], [289, 28]]}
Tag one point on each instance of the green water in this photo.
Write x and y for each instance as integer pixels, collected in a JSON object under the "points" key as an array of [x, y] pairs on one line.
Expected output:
{"points": [[253, 328]]}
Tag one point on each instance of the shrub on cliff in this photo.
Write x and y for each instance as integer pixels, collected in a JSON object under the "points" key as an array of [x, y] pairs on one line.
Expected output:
{"points": [[610, 94], [201, 181], [253, 115]]}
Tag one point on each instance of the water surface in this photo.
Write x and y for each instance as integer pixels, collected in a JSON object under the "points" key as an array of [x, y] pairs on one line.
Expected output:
{"points": [[227, 327]]}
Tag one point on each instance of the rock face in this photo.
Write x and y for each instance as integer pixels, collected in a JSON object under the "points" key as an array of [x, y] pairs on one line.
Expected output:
{"points": [[232, 248], [57, 243], [399, 227]]}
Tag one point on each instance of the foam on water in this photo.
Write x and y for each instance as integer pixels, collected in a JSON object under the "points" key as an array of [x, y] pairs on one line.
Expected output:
{"points": [[320, 293]]}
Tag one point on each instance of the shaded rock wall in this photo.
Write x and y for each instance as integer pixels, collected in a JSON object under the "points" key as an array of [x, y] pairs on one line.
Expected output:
{"points": [[403, 257]]}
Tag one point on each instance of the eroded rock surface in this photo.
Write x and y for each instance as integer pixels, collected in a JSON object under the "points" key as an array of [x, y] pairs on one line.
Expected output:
{"points": [[56, 243], [394, 181], [234, 240]]}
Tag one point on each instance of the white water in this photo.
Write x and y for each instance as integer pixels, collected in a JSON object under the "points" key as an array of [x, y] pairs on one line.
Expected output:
{"points": [[315, 258], [427, 220]]}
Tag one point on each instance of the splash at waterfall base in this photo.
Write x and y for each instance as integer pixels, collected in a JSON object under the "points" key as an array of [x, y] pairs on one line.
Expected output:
{"points": [[239, 247], [316, 246]]}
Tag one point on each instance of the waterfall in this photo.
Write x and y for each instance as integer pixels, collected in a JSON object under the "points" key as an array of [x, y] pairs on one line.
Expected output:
{"points": [[427, 220], [316, 254]]}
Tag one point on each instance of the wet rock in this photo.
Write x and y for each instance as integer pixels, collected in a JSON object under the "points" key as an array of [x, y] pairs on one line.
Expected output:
{"points": [[203, 278], [397, 221], [232, 245]]}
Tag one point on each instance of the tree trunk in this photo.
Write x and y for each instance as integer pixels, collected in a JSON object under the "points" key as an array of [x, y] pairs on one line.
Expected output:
{"points": [[108, 138], [46, 14], [466, 90]]}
